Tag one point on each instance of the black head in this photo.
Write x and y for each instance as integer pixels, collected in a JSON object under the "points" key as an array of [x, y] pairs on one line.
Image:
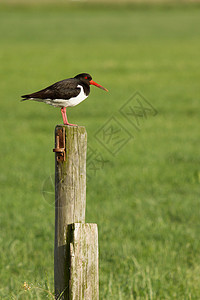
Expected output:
{"points": [[84, 77], [87, 78]]}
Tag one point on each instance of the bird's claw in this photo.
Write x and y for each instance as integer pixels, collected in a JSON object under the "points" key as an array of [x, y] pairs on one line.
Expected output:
{"points": [[69, 124]]}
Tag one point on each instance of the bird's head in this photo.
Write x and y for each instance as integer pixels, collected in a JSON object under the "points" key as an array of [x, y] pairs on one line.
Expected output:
{"points": [[87, 78]]}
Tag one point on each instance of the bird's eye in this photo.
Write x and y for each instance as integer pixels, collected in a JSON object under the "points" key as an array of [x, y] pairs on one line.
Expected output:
{"points": [[86, 77]]}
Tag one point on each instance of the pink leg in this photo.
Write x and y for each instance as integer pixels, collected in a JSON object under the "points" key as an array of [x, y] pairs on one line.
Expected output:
{"points": [[64, 116]]}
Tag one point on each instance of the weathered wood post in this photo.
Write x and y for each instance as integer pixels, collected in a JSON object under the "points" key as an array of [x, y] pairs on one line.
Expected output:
{"points": [[76, 243]]}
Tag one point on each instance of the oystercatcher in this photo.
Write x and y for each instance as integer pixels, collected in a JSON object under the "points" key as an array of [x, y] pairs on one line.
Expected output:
{"points": [[65, 93]]}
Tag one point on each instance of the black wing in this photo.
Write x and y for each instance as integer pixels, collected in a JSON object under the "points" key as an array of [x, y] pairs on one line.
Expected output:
{"points": [[64, 89]]}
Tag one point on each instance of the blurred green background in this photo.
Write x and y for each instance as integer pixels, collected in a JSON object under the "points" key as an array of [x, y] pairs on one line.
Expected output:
{"points": [[144, 198]]}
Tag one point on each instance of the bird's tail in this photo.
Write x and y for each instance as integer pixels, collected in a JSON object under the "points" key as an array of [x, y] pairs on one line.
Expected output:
{"points": [[25, 97]]}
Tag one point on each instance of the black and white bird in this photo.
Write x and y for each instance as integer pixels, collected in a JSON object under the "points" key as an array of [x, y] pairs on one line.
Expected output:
{"points": [[65, 93]]}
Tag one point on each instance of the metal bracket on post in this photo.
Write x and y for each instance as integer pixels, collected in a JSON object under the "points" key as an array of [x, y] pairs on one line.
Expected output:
{"points": [[60, 144]]}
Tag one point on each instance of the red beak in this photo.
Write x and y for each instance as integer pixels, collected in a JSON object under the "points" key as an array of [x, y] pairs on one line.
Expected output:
{"points": [[98, 85]]}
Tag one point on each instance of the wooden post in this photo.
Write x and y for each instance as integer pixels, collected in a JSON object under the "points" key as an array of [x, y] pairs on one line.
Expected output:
{"points": [[84, 271], [70, 203]]}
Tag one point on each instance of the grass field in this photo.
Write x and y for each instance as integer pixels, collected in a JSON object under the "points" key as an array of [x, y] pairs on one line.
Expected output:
{"points": [[145, 198]]}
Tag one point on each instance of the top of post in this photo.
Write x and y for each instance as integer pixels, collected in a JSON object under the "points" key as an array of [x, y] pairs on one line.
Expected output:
{"points": [[70, 128], [67, 138]]}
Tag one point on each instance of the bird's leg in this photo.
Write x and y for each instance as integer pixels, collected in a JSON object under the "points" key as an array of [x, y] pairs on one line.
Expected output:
{"points": [[64, 116]]}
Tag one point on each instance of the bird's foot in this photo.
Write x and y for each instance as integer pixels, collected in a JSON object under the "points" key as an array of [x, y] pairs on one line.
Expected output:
{"points": [[70, 124]]}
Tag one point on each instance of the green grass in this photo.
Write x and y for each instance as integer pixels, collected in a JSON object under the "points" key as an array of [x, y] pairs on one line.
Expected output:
{"points": [[145, 199]]}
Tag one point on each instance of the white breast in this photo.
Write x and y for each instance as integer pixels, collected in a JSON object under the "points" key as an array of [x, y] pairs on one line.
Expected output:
{"points": [[78, 99], [63, 102]]}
